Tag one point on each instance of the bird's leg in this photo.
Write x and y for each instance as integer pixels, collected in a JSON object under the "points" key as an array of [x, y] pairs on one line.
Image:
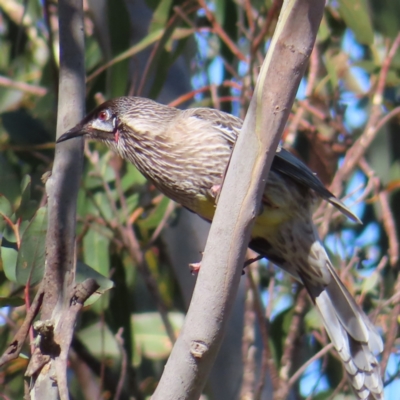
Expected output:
{"points": [[214, 191], [252, 260], [195, 267]]}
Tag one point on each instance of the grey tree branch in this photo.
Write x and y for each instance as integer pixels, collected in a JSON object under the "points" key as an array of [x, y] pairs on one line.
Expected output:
{"points": [[62, 301], [195, 350]]}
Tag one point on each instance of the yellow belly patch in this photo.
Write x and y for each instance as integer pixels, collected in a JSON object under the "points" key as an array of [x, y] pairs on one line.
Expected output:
{"points": [[266, 223], [204, 207]]}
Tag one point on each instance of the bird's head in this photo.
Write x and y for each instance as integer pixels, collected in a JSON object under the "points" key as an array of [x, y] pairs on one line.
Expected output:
{"points": [[101, 124], [126, 118]]}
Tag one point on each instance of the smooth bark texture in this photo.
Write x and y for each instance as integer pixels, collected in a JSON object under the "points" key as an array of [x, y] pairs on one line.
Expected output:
{"points": [[185, 242], [48, 365], [194, 353]]}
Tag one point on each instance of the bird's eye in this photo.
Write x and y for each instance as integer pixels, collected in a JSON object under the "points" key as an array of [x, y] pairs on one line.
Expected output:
{"points": [[104, 115]]}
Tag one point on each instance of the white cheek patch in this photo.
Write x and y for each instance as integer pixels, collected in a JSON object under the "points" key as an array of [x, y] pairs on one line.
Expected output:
{"points": [[104, 126]]}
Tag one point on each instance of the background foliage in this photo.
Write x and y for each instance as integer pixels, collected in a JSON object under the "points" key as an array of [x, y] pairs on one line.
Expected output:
{"points": [[199, 54]]}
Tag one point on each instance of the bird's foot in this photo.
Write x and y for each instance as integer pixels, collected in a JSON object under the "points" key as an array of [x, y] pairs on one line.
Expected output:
{"points": [[214, 191], [195, 268], [252, 260]]}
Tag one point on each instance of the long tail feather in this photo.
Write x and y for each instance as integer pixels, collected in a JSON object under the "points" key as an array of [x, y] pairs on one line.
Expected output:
{"points": [[351, 333]]}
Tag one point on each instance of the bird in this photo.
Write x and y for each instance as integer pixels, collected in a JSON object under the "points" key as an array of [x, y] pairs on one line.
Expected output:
{"points": [[185, 153]]}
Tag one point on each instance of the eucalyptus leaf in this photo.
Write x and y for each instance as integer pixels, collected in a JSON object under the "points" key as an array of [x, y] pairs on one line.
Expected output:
{"points": [[8, 259], [11, 301], [313, 320], [84, 272], [370, 283], [5, 207], [9, 180], [132, 177], [356, 16], [150, 338], [155, 217], [27, 206], [104, 172], [95, 251], [160, 15], [31, 255], [99, 340]]}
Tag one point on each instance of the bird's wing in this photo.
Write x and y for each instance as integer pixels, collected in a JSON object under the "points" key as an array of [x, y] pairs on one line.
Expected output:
{"points": [[289, 165], [284, 162], [227, 125]]}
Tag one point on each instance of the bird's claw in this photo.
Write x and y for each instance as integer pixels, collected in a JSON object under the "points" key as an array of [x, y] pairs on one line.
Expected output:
{"points": [[195, 268]]}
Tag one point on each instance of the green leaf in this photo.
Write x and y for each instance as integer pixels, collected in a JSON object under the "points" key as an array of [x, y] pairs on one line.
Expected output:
{"points": [[104, 172], [99, 340], [150, 338], [103, 204], [23, 128], [25, 184], [337, 66], [9, 262], [220, 10], [96, 251], [331, 69], [323, 31], [155, 217], [370, 283], [9, 228], [369, 66], [327, 394], [132, 177], [11, 301], [356, 16], [27, 207], [84, 272], [5, 207], [9, 180], [31, 255], [392, 78], [5, 211], [160, 15], [313, 320], [132, 202]]}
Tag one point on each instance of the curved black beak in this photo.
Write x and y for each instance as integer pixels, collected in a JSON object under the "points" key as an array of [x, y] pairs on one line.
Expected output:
{"points": [[76, 131]]}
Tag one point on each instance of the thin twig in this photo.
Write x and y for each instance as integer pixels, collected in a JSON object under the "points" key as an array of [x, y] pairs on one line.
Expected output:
{"points": [[315, 357], [186, 7], [14, 348], [219, 31], [387, 215], [290, 343], [267, 362], [124, 363], [373, 126], [170, 209], [392, 330], [390, 227], [22, 86], [271, 16], [248, 348], [188, 96], [312, 77], [338, 388]]}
